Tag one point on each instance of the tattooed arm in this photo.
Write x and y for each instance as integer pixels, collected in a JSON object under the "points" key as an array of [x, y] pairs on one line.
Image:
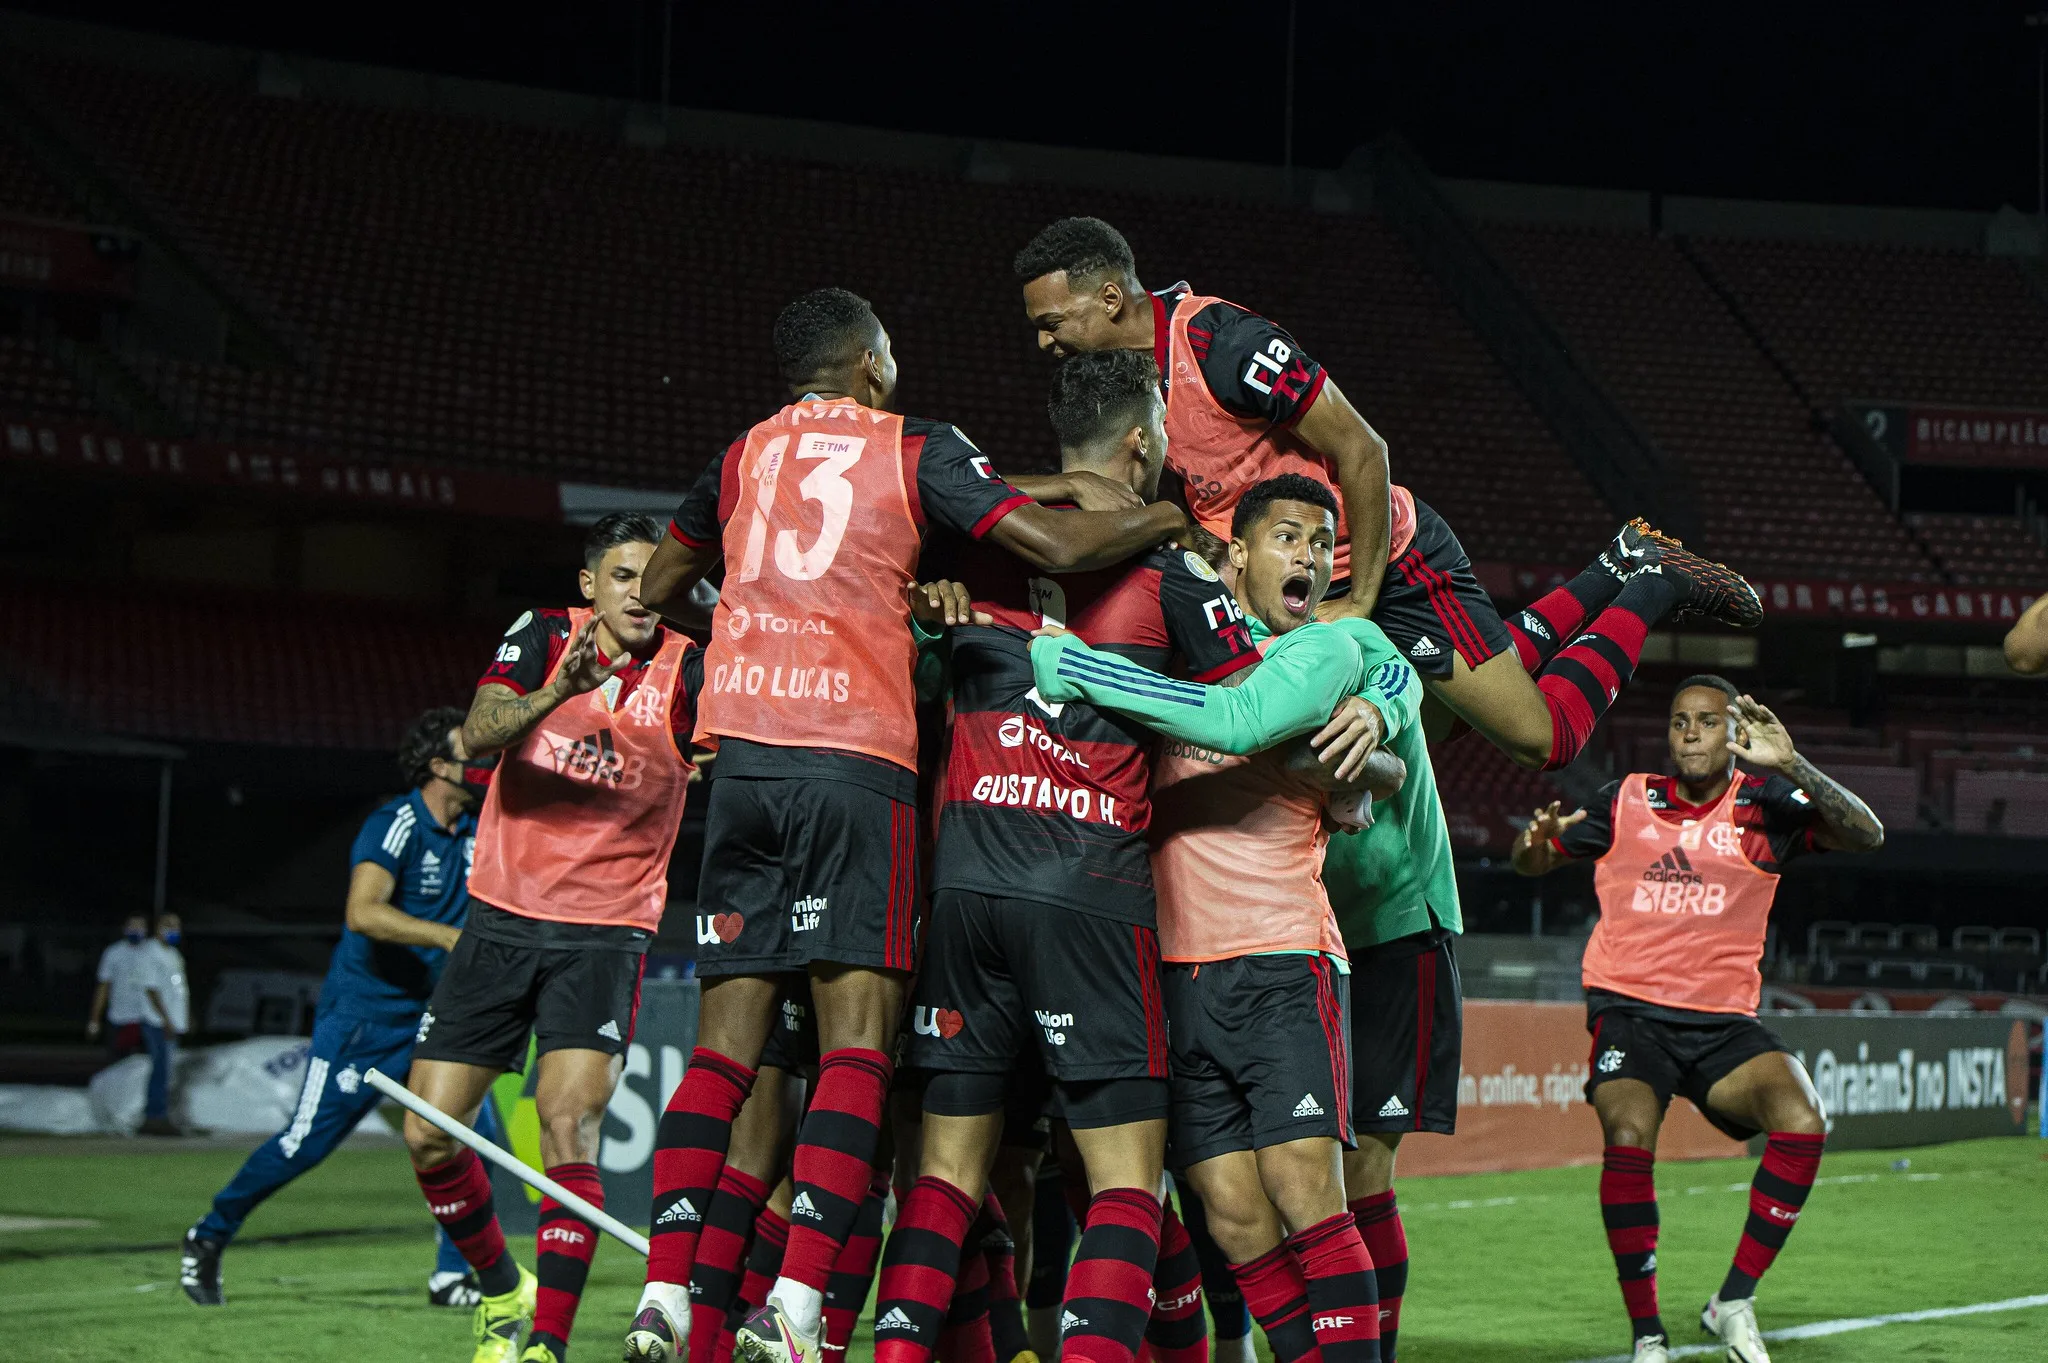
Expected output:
{"points": [[1847, 824], [499, 717]]}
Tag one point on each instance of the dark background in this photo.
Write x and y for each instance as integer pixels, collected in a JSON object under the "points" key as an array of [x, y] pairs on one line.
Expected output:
{"points": [[1922, 104]]}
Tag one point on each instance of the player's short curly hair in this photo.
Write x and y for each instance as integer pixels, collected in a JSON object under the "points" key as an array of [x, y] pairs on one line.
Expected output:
{"points": [[1102, 393], [824, 327], [621, 527], [1083, 247], [1288, 487], [1711, 682], [426, 739]]}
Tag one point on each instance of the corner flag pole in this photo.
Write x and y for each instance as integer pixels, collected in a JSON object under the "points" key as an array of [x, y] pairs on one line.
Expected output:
{"points": [[506, 1160]]}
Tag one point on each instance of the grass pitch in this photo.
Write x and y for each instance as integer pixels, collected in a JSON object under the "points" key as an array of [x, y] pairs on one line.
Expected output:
{"points": [[1509, 1267]]}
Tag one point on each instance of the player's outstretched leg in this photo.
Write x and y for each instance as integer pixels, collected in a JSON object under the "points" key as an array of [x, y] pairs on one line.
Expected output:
{"points": [[1177, 1331], [458, 1192], [1772, 1093], [689, 1155], [1227, 1309], [853, 1272], [1551, 621], [858, 1009]]}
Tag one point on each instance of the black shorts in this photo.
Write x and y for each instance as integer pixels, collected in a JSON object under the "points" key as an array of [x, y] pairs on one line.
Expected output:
{"points": [[1686, 1058], [1431, 607], [491, 994], [1004, 977], [1261, 1054], [1407, 1030], [799, 870], [792, 1044]]}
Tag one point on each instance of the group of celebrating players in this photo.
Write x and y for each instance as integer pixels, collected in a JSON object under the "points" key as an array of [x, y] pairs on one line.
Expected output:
{"points": [[1065, 834]]}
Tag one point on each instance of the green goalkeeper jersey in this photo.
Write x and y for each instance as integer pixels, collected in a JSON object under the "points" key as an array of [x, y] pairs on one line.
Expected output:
{"points": [[1390, 880]]}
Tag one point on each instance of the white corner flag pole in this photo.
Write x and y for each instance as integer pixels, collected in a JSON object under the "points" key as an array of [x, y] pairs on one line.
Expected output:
{"points": [[506, 1160]]}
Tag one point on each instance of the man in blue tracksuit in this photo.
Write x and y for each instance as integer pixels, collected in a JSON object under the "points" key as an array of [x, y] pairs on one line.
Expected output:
{"points": [[408, 896]]}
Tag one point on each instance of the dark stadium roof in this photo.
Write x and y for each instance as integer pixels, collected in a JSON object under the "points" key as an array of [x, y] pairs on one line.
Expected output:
{"points": [[1922, 104]]}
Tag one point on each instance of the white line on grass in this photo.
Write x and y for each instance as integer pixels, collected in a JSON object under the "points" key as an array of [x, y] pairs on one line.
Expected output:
{"points": [[1842, 1327]]}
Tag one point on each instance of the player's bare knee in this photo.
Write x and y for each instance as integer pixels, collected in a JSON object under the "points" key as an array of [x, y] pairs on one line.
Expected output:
{"points": [[428, 1145]]}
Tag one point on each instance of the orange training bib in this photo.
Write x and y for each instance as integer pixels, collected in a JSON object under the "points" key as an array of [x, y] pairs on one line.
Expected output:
{"points": [[582, 816], [811, 644], [1682, 911]]}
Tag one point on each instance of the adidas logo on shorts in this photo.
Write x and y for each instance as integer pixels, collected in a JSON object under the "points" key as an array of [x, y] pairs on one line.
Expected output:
{"points": [[1308, 1106], [894, 1319], [610, 1031], [1393, 1107], [1425, 647], [682, 1210], [803, 1206]]}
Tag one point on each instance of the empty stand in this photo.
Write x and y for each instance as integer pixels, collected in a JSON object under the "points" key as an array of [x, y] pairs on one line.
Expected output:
{"points": [[506, 296], [1776, 495], [1888, 322], [1983, 550], [26, 190], [30, 385], [220, 667]]}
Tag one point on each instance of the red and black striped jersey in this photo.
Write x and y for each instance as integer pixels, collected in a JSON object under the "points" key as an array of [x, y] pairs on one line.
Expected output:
{"points": [[1777, 820], [527, 655], [1051, 802], [1250, 365]]}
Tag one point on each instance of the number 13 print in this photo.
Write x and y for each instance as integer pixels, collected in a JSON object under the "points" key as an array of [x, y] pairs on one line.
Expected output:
{"points": [[825, 484]]}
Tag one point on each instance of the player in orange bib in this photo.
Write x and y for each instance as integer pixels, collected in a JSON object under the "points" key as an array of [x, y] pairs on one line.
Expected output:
{"points": [[1245, 403], [592, 709], [1688, 866], [811, 839]]}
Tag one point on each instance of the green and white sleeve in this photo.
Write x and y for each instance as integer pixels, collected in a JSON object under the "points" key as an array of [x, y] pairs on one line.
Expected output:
{"points": [[1292, 691]]}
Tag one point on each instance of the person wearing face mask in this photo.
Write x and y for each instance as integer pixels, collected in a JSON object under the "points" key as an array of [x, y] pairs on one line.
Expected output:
{"points": [[135, 997], [408, 900]]}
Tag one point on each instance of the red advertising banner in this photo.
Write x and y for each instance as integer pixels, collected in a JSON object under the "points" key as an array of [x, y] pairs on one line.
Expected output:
{"points": [[1976, 437], [1814, 599], [1522, 1099], [61, 257], [261, 468]]}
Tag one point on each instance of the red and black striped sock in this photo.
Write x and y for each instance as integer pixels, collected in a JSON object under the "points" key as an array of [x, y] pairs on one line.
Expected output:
{"points": [[1583, 679], [1628, 1208], [563, 1246], [1109, 1288], [835, 1151], [1791, 1163], [764, 1261], [998, 1247], [689, 1157], [1277, 1296], [853, 1272], [1541, 628], [722, 1249], [919, 1265], [1177, 1331], [1342, 1293], [1379, 1225], [459, 1195], [965, 1337]]}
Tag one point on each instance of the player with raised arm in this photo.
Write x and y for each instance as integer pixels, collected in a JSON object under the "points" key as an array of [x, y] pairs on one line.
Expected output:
{"points": [[1688, 867], [810, 856], [1257, 988], [1244, 403], [408, 895], [592, 709], [1041, 949]]}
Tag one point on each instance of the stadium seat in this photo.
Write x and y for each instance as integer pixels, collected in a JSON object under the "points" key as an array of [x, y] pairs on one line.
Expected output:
{"points": [[1974, 939]]}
